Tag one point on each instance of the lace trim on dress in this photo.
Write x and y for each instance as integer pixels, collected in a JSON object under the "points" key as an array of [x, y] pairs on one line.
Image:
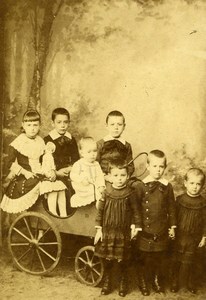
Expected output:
{"points": [[20, 204]]}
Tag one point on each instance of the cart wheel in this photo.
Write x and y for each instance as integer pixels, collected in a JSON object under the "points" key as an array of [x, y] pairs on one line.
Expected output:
{"points": [[34, 243], [88, 267]]}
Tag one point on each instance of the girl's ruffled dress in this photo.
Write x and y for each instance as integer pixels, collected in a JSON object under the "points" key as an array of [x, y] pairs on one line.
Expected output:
{"points": [[24, 153]]}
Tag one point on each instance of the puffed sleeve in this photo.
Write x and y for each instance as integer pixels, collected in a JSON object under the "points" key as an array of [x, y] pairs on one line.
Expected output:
{"points": [[12, 164], [171, 206]]}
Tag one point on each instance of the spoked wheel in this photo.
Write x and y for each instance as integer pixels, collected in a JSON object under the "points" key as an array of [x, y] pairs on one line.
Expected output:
{"points": [[34, 243], [88, 267]]}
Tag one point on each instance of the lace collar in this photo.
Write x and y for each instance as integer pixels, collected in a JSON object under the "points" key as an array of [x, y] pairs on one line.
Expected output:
{"points": [[150, 179], [110, 138]]}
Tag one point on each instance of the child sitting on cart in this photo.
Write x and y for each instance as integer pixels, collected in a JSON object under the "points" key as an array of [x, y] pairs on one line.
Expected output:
{"points": [[86, 175], [24, 157], [65, 154]]}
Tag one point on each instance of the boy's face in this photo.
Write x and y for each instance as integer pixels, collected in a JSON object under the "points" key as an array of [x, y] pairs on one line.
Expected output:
{"points": [[115, 126], [61, 123], [31, 128], [193, 184], [156, 167], [89, 152], [118, 177]]}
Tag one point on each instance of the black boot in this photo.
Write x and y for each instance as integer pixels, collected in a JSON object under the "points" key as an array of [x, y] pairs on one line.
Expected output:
{"points": [[106, 288], [174, 286], [157, 284], [123, 286], [143, 285], [191, 286]]}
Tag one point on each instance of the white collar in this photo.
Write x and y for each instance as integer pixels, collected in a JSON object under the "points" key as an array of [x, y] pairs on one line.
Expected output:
{"points": [[150, 179], [55, 135], [110, 138]]}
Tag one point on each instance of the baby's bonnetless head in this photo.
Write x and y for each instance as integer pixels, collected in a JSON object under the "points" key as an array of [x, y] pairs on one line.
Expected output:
{"points": [[156, 163], [194, 181], [88, 149]]}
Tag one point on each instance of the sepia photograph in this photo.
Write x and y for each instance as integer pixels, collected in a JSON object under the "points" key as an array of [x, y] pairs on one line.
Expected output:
{"points": [[102, 149]]}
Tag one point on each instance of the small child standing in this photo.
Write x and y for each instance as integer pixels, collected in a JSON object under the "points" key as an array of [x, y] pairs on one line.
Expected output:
{"points": [[65, 154], [157, 204], [116, 222], [191, 230], [113, 146], [24, 157], [86, 175]]}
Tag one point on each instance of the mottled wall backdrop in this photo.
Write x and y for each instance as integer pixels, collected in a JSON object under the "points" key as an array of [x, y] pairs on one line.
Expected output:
{"points": [[145, 58]]}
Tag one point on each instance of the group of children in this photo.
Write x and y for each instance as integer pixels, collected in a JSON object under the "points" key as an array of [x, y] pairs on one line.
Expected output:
{"points": [[135, 219]]}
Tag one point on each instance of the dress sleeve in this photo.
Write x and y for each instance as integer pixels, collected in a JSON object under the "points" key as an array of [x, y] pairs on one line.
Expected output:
{"points": [[75, 175], [171, 206], [135, 205], [100, 211], [131, 167], [75, 151], [100, 176], [12, 163]]}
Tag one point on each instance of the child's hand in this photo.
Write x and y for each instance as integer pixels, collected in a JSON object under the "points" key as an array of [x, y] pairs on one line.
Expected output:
{"points": [[202, 242], [98, 236], [171, 233], [101, 189], [62, 172], [134, 231], [51, 175], [27, 174]]}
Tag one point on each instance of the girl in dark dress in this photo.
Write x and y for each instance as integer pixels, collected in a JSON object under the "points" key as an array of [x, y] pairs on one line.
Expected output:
{"points": [[191, 231], [24, 166], [117, 222]]}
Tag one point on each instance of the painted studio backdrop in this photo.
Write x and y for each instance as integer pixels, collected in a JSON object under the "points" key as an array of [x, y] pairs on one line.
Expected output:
{"points": [[144, 58]]}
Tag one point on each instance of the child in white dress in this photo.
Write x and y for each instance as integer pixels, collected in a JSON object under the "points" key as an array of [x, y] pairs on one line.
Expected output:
{"points": [[86, 175]]}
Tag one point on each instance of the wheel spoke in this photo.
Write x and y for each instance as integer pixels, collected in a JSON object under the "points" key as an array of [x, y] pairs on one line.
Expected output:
{"points": [[23, 235], [46, 253], [96, 272], [84, 261], [81, 269], [49, 243], [32, 259], [37, 227], [25, 253], [96, 264], [28, 228], [92, 276], [41, 261], [45, 232], [87, 255], [19, 244]]}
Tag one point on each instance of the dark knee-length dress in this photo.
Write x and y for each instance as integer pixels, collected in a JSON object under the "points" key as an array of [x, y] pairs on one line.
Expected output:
{"points": [[116, 212]]}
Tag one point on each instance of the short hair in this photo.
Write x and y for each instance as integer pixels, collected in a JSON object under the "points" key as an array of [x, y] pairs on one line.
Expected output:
{"points": [[117, 163], [84, 141], [196, 172], [31, 116], [115, 113], [60, 111], [157, 153]]}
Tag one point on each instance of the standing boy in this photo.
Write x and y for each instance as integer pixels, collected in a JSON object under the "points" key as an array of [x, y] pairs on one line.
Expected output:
{"points": [[114, 147], [157, 205]]}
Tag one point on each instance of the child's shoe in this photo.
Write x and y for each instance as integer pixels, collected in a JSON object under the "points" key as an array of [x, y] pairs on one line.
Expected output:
{"points": [[106, 289], [123, 286], [143, 285]]}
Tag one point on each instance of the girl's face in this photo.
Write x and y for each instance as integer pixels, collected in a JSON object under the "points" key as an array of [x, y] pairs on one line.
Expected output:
{"points": [[193, 185], [156, 167], [89, 152], [118, 177], [61, 124], [115, 126], [31, 128]]}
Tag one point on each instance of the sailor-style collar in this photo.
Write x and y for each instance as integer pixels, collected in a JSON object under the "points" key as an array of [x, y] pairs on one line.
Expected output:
{"points": [[110, 138], [55, 135], [150, 179]]}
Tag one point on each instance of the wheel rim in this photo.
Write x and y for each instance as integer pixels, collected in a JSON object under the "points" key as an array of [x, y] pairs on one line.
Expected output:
{"points": [[34, 243], [88, 267]]}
